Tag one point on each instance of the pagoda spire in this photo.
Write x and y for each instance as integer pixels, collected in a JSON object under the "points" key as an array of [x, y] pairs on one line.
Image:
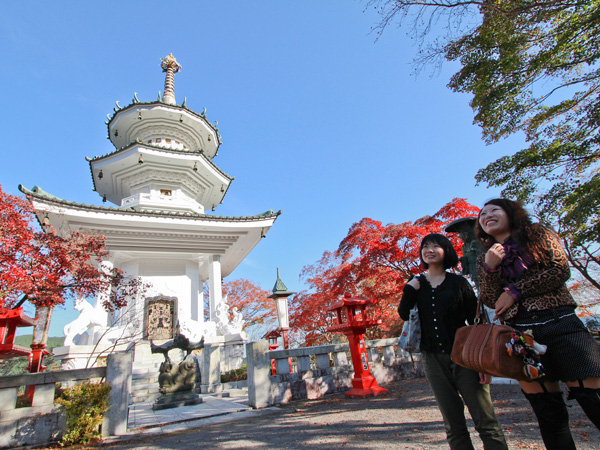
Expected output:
{"points": [[280, 289], [171, 67]]}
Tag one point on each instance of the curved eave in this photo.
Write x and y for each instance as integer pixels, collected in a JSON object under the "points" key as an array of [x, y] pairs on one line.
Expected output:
{"points": [[182, 107], [47, 198], [157, 149]]}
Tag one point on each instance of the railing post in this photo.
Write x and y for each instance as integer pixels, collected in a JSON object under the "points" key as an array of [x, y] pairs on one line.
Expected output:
{"points": [[303, 363], [259, 367], [283, 366], [323, 361], [340, 359], [389, 355], [8, 398], [210, 369], [118, 376], [43, 395], [374, 355]]}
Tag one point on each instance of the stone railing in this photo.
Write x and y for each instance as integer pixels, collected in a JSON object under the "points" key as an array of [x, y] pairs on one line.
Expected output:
{"points": [[311, 372], [41, 423]]}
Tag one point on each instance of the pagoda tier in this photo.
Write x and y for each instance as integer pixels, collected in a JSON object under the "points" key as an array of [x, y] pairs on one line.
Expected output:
{"points": [[149, 177], [136, 234], [156, 123]]}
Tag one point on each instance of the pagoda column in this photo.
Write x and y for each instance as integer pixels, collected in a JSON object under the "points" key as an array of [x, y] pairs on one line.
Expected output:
{"points": [[214, 284], [103, 296]]}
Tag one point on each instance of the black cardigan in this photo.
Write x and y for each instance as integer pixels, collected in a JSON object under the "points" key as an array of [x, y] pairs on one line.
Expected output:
{"points": [[442, 310]]}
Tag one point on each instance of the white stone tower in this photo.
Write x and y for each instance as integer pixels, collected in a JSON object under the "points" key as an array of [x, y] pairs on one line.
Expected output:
{"points": [[162, 179]]}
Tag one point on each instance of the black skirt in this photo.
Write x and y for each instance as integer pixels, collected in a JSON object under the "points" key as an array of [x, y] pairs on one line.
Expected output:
{"points": [[572, 352]]}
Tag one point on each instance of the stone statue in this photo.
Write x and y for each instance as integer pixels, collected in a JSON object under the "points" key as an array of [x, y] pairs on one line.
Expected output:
{"points": [[197, 330], [181, 377], [78, 331], [224, 325], [177, 377]]}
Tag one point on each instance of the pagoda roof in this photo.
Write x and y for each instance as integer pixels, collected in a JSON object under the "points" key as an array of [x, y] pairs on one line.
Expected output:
{"points": [[280, 289], [156, 148], [183, 107], [40, 194]]}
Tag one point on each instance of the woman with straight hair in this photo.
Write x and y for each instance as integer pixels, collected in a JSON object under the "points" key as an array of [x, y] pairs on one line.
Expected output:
{"points": [[445, 302], [522, 275]]}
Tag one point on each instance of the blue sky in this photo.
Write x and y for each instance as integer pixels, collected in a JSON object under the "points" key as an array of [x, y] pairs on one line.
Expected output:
{"points": [[317, 117]]}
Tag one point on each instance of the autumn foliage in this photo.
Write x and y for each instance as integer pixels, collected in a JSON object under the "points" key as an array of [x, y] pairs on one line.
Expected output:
{"points": [[251, 300], [45, 269], [372, 261]]}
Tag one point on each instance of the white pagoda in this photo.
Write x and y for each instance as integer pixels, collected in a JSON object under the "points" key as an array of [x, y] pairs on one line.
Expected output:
{"points": [[162, 179]]}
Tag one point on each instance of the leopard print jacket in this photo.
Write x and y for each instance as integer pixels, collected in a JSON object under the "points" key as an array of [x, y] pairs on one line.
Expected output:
{"points": [[541, 287]]}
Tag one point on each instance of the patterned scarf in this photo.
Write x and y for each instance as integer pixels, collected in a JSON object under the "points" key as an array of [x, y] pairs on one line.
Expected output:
{"points": [[516, 260]]}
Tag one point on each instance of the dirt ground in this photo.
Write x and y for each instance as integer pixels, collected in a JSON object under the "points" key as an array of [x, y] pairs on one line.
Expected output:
{"points": [[405, 418]]}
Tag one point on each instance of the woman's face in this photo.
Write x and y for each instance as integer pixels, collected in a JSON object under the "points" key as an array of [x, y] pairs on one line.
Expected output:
{"points": [[494, 221], [432, 253]]}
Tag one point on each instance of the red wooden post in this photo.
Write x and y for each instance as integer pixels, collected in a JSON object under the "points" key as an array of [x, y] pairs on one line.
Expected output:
{"points": [[356, 322]]}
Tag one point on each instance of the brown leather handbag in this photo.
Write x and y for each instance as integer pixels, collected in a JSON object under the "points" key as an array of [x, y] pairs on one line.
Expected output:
{"points": [[482, 347]]}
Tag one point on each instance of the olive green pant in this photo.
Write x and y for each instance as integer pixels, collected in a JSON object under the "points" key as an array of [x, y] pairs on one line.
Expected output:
{"points": [[449, 382]]}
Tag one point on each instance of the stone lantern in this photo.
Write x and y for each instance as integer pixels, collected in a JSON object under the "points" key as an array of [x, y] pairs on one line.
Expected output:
{"points": [[471, 249], [281, 294]]}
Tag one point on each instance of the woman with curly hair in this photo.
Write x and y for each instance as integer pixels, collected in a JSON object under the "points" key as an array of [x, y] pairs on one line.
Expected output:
{"points": [[522, 274]]}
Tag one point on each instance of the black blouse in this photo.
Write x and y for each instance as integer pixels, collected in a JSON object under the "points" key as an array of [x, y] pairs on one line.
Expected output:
{"points": [[442, 310]]}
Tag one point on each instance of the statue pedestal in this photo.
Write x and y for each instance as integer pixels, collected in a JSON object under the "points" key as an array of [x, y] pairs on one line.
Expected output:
{"points": [[176, 400]]}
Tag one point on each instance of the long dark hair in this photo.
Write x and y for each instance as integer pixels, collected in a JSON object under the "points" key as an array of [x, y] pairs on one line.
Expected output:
{"points": [[520, 228]]}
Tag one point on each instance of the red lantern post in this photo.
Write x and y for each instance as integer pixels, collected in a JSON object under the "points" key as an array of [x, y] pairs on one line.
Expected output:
{"points": [[272, 336], [10, 320], [352, 320]]}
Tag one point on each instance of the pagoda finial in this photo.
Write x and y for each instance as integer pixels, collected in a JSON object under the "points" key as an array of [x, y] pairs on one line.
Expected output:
{"points": [[171, 67]]}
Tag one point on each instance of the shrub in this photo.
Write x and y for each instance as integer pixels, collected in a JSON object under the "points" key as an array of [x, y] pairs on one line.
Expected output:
{"points": [[84, 406], [235, 375]]}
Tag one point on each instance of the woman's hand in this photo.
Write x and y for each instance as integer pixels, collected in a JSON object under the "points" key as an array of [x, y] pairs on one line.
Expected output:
{"points": [[504, 302], [494, 256], [415, 283]]}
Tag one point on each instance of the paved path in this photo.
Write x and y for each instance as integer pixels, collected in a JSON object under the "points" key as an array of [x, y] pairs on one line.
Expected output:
{"points": [[143, 420], [405, 418]]}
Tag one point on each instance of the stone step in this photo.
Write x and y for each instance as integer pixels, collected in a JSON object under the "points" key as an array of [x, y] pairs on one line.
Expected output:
{"points": [[144, 372], [146, 364], [145, 391], [144, 398], [144, 376], [222, 394], [146, 387]]}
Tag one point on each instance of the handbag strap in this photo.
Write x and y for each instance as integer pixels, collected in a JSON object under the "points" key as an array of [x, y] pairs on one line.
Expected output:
{"points": [[480, 316]]}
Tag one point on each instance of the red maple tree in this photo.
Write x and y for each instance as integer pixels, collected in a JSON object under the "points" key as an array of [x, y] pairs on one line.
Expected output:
{"points": [[372, 261], [259, 311], [44, 268], [252, 301]]}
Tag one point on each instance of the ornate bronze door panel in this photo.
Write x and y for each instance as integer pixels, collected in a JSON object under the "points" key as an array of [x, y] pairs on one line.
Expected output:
{"points": [[160, 319]]}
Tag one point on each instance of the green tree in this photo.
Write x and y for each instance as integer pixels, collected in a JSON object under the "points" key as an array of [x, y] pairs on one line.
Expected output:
{"points": [[532, 67]]}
